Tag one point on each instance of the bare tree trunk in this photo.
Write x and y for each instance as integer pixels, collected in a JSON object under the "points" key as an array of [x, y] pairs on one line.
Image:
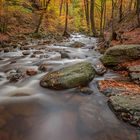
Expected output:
{"points": [[61, 5], [138, 12], [130, 6], [41, 16], [86, 4], [120, 10], [113, 35], [104, 15], [66, 20], [101, 18], [92, 18]]}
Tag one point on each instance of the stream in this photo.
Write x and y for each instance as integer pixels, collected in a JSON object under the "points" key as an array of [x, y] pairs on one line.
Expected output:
{"points": [[30, 112]]}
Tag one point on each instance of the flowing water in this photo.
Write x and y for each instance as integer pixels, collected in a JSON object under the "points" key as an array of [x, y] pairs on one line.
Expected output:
{"points": [[30, 112]]}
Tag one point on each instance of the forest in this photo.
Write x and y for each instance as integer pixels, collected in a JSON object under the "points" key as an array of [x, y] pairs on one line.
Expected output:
{"points": [[69, 69]]}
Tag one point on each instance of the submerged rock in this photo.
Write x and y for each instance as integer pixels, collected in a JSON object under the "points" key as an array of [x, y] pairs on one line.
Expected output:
{"points": [[85, 90], [6, 50], [73, 76], [77, 45], [26, 53], [15, 75], [121, 53], [127, 107], [31, 72], [64, 55]]}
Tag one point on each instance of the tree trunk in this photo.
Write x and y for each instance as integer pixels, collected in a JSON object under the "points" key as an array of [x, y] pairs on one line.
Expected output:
{"points": [[104, 25], [86, 4], [138, 12], [101, 18], [113, 34], [130, 6], [120, 10], [92, 18], [41, 16], [66, 20], [61, 5]]}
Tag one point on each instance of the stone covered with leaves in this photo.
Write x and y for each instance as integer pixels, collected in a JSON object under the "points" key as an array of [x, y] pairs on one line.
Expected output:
{"points": [[72, 76]]}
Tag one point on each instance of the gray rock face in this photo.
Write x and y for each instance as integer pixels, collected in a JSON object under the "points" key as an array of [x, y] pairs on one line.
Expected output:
{"points": [[121, 53], [134, 72], [73, 76], [127, 107]]}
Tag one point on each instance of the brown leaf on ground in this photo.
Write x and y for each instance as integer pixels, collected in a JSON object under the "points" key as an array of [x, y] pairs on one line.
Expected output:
{"points": [[105, 84]]}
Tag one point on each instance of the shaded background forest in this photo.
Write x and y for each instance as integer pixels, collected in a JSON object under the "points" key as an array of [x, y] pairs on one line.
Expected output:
{"points": [[49, 17]]}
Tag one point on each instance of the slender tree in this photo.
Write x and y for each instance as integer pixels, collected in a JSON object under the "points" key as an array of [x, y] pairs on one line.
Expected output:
{"points": [[92, 17], [120, 10], [61, 5], [66, 19], [138, 12], [46, 3], [86, 5]]}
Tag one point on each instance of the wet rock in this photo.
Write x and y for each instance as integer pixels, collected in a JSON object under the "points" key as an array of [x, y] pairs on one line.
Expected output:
{"points": [[15, 75], [77, 45], [25, 48], [6, 50], [85, 90], [1, 49], [99, 67], [121, 53], [31, 72], [43, 67], [20, 94], [73, 76], [64, 55], [38, 52], [127, 107], [26, 53], [134, 72], [1, 58], [33, 56]]}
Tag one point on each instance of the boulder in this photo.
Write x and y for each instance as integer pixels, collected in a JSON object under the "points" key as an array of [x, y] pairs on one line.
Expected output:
{"points": [[121, 53], [127, 107], [134, 72], [72, 76]]}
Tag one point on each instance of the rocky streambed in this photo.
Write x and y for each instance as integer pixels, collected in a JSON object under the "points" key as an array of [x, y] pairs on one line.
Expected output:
{"points": [[55, 92]]}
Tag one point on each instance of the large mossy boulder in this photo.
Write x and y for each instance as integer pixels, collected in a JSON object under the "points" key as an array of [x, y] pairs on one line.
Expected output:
{"points": [[72, 76], [121, 53]]}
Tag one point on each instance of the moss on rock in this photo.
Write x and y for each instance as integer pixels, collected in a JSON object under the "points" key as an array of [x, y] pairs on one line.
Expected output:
{"points": [[73, 76], [121, 53]]}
